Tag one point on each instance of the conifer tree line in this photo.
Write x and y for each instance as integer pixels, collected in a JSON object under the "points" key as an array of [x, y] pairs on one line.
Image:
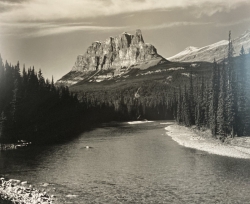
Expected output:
{"points": [[221, 103], [31, 105], [149, 100], [34, 109]]}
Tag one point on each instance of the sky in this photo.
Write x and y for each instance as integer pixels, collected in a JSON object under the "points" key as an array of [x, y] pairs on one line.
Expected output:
{"points": [[49, 34]]}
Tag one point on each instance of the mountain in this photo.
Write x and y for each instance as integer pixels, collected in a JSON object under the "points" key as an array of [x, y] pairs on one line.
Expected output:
{"points": [[215, 51], [112, 57]]}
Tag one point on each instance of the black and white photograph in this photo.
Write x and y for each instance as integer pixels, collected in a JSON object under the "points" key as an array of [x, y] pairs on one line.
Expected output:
{"points": [[124, 102]]}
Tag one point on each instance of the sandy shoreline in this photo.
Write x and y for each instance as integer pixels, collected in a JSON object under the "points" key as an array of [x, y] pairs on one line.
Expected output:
{"points": [[237, 147]]}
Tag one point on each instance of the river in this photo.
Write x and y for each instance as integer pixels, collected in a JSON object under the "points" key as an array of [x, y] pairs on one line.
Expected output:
{"points": [[135, 163]]}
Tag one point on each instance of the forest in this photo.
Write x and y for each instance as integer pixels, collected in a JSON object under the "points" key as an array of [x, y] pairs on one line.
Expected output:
{"points": [[35, 110], [31, 107], [222, 103]]}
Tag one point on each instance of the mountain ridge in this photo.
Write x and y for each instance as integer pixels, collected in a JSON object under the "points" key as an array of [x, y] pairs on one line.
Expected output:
{"points": [[217, 51]]}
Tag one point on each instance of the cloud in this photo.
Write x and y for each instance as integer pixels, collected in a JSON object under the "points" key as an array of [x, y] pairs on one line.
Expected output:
{"points": [[7, 6], [13, 1], [231, 23], [43, 29], [129, 16], [45, 10], [42, 16], [175, 24], [67, 29], [209, 8]]}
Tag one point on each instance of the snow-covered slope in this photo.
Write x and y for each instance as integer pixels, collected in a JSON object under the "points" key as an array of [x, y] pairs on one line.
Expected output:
{"points": [[214, 51]]}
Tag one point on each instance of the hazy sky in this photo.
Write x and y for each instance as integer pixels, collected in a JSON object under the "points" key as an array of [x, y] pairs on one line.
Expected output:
{"points": [[49, 34]]}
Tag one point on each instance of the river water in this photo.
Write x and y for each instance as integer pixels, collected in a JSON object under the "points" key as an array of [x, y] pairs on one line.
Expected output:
{"points": [[135, 163]]}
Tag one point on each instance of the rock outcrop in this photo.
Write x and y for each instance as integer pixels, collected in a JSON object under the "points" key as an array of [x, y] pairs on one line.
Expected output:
{"points": [[116, 52], [113, 54]]}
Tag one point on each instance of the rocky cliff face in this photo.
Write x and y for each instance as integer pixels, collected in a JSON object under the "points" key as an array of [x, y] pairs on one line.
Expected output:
{"points": [[115, 53], [215, 51]]}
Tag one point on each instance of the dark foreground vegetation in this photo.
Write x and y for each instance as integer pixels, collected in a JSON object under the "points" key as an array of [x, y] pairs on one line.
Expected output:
{"points": [[214, 96], [31, 107]]}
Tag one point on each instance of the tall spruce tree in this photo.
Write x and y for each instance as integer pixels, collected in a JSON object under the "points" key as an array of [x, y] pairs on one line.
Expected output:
{"points": [[232, 108], [206, 104], [191, 99], [221, 113], [2, 127], [179, 111], [186, 108], [2, 79], [214, 99], [242, 121]]}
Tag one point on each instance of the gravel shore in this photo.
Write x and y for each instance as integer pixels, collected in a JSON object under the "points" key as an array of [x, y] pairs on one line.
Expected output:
{"points": [[238, 147], [15, 191]]}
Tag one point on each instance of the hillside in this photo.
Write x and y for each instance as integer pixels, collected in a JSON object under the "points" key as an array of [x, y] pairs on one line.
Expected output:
{"points": [[167, 73]]}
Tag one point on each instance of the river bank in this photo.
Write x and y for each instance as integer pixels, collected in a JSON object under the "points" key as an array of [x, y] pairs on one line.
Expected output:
{"points": [[19, 144], [15, 191], [238, 147]]}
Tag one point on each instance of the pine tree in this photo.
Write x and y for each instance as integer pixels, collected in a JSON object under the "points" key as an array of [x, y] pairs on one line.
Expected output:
{"points": [[191, 99], [2, 127], [214, 100], [24, 77], [186, 108], [1, 69], [207, 105], [247, 98], [41, 80], [232, 92], [2, 80], [17, 74], [221, 114], [199, 108], [14, 101], [242, 122], [52, 86], [179, 111]]}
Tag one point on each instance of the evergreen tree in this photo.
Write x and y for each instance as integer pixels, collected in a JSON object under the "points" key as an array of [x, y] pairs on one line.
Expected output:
{"points": [[221, 116], [2, 127], [2, 80], [41, 80], [232, 109], [191, 99], [199, 115], [207, 105], [214, 99], [179, 111], [186, 108], [242, 121]]}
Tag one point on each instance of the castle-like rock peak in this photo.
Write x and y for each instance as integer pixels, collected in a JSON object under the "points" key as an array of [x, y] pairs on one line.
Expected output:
{"points": [[121, 51], [111, 59]]}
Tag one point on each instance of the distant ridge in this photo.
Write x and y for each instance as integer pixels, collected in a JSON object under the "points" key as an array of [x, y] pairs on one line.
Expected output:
{"points": [[214, 51]]}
